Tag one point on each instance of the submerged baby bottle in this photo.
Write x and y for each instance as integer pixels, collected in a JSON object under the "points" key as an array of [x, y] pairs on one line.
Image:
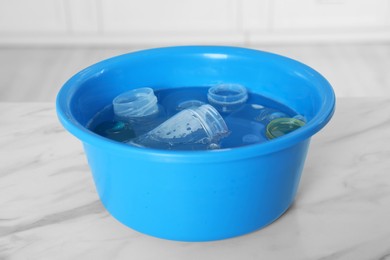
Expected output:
{"points": [[192, 103], [105, 125], [227, 97], [139, 108], [197, 128]]}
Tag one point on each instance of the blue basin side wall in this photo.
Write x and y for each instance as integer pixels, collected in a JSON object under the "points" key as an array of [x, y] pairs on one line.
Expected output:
{"points": [[207, 202]]}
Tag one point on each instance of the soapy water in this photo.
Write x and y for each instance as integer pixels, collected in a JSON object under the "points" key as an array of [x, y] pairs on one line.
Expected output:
{"points": [[246, 124]]}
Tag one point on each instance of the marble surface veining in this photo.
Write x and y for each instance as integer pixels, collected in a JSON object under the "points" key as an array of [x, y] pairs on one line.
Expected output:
{"points": [[49, 208]]}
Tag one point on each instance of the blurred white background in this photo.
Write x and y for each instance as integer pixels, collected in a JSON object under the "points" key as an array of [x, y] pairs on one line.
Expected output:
{"points": [[44, 42]]}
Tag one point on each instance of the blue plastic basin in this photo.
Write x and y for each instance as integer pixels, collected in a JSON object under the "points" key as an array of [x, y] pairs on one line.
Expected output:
{"points": [[197, 195]]}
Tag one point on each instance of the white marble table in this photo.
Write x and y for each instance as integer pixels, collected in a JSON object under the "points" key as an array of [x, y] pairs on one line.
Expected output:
{"points": [[49, 208]]}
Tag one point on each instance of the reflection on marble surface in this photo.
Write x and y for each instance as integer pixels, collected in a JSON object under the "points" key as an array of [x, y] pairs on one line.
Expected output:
{"points": [[49, 208]]}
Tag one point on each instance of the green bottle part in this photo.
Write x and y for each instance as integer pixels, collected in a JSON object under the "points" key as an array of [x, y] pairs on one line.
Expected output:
{"points": [[282, 126]]}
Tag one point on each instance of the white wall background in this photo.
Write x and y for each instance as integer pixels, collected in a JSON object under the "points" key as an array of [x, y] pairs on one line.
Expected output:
{"points": [[151, 22], [328, 35]]}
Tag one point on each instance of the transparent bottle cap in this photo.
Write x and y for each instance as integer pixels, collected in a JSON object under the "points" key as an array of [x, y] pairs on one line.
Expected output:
{"points": [[227, 96], [266, 115], [282, 126], [138, 102]]}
